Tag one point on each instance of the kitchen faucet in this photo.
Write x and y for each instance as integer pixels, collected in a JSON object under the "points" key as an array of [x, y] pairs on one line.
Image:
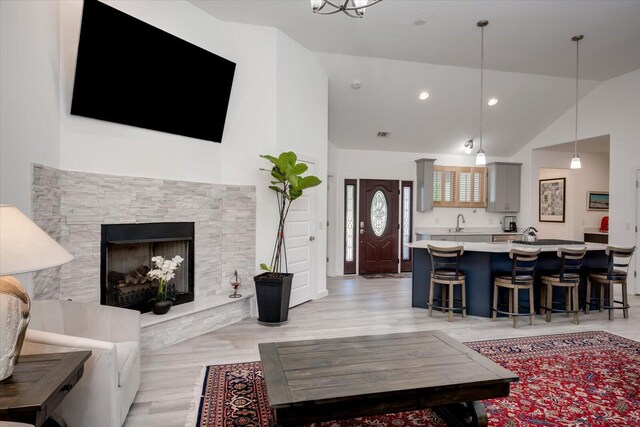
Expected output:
{"points": [[458, 228]]}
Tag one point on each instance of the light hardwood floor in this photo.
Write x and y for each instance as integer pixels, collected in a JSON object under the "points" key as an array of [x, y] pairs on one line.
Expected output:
{"points": [[355, 306]]}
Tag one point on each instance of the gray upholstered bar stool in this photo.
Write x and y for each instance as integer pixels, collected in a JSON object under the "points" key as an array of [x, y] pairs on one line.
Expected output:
{"points": [[523, 264], [568, 277], [616, 272], [445, 271]]}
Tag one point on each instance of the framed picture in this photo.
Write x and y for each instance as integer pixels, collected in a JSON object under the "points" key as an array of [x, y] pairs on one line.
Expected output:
{"points": [[598, 201], [552, 200]]}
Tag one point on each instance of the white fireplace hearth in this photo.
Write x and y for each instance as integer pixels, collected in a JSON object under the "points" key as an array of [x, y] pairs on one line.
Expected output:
{"points": [[193, 319], [72, 207]]}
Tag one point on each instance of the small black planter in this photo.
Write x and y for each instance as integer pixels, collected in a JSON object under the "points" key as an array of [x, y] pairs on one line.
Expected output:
{"points": [[273, 291], [162, 307]]}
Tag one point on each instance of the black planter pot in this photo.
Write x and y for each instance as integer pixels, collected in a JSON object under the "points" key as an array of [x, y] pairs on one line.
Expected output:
{"points": [[273, 291], [162, 307]]}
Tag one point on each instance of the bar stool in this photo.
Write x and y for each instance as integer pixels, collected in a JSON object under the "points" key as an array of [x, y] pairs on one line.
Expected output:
{"points": [[523, 263], [568, 278], [616, 272], [445, 270]]}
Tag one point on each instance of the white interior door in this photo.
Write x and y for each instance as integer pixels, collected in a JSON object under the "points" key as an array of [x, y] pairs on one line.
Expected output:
{"points": [[300, 242]]}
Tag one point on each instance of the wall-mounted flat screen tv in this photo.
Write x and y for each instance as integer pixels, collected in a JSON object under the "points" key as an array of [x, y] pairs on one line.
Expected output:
{"points": [[133, 73]]}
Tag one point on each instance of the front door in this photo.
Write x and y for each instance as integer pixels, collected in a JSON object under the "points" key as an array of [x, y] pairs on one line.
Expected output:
{"points": [[378, 226]]}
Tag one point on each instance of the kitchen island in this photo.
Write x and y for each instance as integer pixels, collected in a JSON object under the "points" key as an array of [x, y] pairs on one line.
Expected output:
{"points": [[481, 261]]}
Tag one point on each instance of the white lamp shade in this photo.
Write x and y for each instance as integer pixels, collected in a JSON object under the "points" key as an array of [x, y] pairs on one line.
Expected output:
{"points": [[575, 162], [24, 246], [481, 159]]}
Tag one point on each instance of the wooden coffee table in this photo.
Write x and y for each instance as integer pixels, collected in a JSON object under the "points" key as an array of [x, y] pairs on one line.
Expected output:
{"points": [[322, 380]]}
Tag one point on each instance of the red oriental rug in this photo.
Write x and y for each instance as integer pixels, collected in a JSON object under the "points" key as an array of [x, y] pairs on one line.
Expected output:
{"points": [[579, 379]]}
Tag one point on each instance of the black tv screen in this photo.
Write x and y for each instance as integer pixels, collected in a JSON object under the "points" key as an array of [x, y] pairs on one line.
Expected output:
{"points": [[133, 73]]}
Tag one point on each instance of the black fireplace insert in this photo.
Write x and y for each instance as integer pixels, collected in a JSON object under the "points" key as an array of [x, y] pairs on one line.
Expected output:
{"points": [[126, 252]]}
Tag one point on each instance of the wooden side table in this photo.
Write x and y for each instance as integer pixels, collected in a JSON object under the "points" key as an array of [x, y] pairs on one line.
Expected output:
{"points": [[38, 384]]}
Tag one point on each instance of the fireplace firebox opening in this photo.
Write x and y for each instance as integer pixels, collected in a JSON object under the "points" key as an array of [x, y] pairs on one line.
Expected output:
{"points": [[126, 252]]}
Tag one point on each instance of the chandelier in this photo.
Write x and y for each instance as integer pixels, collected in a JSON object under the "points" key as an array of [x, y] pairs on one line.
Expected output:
{"points": [[352, 8]]}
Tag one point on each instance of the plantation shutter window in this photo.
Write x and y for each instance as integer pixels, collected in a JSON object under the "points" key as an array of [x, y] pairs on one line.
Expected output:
{"points": [[459, 187]]}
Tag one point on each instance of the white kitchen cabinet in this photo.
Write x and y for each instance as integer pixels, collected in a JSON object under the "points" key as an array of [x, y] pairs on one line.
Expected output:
{"points": [[503, 187], [424, 187]]}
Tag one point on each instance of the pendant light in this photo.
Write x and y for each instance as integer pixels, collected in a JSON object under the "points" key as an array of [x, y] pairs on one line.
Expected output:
{"points": [[481, 159], [575, 160]]}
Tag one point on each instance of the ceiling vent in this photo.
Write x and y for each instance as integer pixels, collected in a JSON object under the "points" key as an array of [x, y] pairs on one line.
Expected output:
{"points": [[383, 134]]}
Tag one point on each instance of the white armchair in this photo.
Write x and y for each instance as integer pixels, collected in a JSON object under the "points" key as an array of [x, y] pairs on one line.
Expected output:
{"points": [[111, 377]]}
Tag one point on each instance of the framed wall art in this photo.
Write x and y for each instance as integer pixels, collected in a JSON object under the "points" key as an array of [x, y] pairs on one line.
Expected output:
{"points": [[552, 200], [598, 201]]}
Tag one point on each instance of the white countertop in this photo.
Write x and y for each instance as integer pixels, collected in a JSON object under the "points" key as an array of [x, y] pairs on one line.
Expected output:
{"points": [[481, 231], [502, 247]]}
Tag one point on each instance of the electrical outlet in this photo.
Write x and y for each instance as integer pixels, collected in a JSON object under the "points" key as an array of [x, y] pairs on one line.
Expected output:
{"points": [[437, 220], [490, 221]]}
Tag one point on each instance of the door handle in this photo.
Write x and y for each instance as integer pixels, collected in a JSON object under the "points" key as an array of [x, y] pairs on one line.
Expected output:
{"points": [[312, 238]]}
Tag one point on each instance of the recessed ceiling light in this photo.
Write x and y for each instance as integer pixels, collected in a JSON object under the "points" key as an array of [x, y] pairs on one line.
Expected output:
{"points": [[423, 96], [420, 21], [492, 102]]}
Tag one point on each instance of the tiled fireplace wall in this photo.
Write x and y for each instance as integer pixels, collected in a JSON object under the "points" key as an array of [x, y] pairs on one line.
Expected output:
{"points": [[71, 206]]}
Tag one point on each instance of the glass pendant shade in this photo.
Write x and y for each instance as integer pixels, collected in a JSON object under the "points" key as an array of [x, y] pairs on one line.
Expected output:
{"points": [[481, 159], [315, 4], [575, 162], [467, 150]]}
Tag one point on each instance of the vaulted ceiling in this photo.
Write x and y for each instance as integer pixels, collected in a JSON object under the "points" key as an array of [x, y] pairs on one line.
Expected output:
{"points": [[529, 56]]}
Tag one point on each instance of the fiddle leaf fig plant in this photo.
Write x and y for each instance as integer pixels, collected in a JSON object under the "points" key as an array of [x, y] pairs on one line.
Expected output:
{"points": [[288, 184]]}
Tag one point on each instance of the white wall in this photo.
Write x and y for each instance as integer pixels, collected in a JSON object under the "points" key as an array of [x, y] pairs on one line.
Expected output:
{"points": [[612, 108], [368, 164], [104, 147], [29, 102], [256, 122], [333, 230], [29, 98], [302, 126], [594, 176]]}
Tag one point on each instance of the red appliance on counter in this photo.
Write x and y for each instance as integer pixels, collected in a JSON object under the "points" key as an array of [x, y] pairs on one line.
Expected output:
{"points": [[604, 224]]}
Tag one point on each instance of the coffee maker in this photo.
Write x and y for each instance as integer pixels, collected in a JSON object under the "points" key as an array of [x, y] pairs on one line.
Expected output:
{"points": [[509, 224]]}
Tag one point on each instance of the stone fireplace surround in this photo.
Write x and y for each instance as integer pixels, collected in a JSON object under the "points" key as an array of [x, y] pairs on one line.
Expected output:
{"points": [[72, 206]]}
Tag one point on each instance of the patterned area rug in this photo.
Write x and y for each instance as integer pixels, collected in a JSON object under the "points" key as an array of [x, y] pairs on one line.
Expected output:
{"points": [[579, 379], [387, 276]]}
